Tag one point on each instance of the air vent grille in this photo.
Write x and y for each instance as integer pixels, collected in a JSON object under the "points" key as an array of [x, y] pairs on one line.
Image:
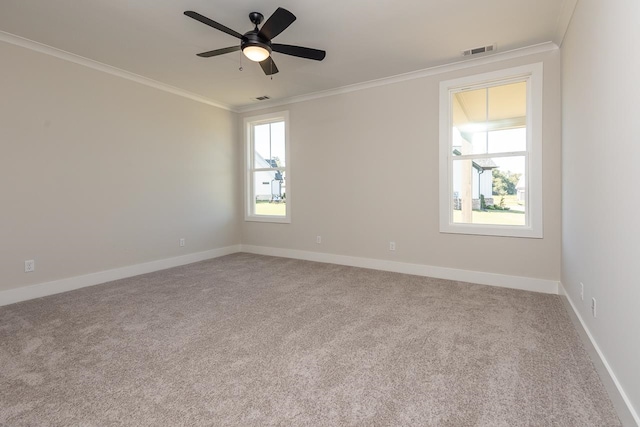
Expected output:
{"points": [[479, 50]]}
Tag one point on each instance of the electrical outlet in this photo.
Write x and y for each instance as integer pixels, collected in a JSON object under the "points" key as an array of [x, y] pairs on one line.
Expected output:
{"points": [[582, 291], [392, 246], [182, 242], [593, 307], [318, 239], [29, 266]]}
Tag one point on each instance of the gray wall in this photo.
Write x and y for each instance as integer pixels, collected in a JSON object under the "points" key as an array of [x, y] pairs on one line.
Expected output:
{"points": [[104, 173], [99, 172], [601, 196], [364, 169]]}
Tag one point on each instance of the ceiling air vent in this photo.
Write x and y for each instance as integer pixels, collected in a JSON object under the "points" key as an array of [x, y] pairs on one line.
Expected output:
{"points": [[262, 98], [479, 50]]}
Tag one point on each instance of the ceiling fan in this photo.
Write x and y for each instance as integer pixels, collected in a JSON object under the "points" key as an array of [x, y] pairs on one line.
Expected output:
{"points": [[256, 44]]}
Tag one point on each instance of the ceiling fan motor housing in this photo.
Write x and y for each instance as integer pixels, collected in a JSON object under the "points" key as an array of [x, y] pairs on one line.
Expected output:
{"points": [[253, 39]]}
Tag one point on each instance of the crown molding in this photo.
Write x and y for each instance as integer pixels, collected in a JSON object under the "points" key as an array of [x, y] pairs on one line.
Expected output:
{"points": [[432, 71], [564, 19], [90, 63]]}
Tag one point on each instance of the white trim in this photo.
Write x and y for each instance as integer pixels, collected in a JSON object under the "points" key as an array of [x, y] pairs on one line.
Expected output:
{"points": [[249, 122], [562, 291], [24, 293], [90, 63], [564, 19], [479, 277], [427, 72], [39, 290], [533, 74], [431, 71]]}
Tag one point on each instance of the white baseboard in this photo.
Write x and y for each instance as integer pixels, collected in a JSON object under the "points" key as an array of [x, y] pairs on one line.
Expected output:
{"points": [[618, 396], [63, 285], [479, 277]]}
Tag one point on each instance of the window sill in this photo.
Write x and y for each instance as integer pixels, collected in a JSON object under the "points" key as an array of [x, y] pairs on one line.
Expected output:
{"points": [[266, 218], [492, 230]]}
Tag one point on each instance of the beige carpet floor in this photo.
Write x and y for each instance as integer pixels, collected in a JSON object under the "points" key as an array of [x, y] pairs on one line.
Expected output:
{"points": [[248, 340]]}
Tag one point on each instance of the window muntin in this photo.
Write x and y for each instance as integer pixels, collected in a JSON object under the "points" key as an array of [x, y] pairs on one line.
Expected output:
{"points": [[490, 168], [267, 187]]}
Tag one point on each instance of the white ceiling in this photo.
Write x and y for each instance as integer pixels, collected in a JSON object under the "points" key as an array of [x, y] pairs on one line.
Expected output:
{"points": [[365, 40]]}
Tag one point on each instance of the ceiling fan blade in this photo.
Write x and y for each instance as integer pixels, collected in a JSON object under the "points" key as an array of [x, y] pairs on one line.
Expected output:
{"points": [[268, 66], [277, 23], [218, 52], [212, 23], [299, 51]]}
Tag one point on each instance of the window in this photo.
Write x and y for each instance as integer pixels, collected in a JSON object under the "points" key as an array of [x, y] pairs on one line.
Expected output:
{"points": [[490, 153], [268, 189]]}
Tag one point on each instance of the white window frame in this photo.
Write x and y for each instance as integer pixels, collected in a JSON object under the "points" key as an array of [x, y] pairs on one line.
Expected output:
{"points": [[533, 228], [249, 124]]}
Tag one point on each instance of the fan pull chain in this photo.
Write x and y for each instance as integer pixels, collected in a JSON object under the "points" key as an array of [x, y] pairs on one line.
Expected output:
{"points": [[240, 69]]}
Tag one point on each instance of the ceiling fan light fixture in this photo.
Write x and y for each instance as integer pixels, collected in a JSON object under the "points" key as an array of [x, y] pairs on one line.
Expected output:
{"points": [[256, 44], [256, 53]]}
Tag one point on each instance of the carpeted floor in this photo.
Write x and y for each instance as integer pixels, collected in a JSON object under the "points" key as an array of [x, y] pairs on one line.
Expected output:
{"points": [[248, 340]]}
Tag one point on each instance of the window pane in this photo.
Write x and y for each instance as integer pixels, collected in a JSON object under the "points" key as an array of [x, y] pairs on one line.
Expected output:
{"points": [[502, 141], [469, 117], [483, 117], [489, 191], [262, 145], [269, 145], [270, 193], [507, 105], [277, 143]]}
